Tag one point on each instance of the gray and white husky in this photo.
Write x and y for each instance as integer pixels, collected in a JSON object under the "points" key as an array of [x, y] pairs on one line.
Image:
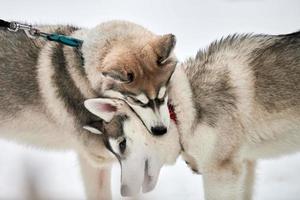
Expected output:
{"points": [[236, 102], [43, 87]]}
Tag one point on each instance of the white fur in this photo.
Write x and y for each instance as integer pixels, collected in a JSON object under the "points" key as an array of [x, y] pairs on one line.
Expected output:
{"points": [[113, 94], [154, 118], [48, 92], [162, 92], [95, 107], [225, 154], [34, 128], [164, 113], [149, 117], [181, 97], [141, 147], [133, 164], [92, 129], [142, 98], [51, 125], [105, 35]]}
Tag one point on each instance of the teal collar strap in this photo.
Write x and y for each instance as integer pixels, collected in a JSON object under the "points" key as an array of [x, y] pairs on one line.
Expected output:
{"points": [[35, 33], [66, 40]]}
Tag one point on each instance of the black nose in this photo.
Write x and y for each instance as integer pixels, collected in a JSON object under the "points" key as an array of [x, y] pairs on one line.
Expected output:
{"points": [[158, 130]]}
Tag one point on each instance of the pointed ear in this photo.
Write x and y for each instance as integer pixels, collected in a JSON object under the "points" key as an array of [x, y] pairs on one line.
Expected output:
{"points": [[163, 47], [92, 130], [101, 107]]}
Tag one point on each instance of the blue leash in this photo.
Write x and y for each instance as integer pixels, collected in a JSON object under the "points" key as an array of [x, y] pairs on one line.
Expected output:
{"points": [[35, 33]]}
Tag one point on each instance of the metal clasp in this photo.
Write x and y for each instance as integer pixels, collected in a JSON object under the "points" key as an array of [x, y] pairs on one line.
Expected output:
{"points": [[30, 32]]}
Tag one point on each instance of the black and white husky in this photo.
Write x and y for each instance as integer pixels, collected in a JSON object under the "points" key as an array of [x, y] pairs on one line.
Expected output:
{"points": [[43, 87], [236, 102]]}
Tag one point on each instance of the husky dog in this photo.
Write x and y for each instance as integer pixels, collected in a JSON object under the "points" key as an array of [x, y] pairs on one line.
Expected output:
{"points": [[44, 86], [236, 102], [137, 66], [140, 154]]}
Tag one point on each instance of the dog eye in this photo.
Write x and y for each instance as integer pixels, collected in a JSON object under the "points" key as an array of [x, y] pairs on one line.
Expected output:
{"points": [[161, 100], [122, 145]]}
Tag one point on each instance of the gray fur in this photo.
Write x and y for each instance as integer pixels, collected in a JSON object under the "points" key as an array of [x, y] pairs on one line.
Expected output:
{"points": [[44, 87], [213, 93], [18, 76], [66, 89], [276, 68], [274, 60], [237, 102]]}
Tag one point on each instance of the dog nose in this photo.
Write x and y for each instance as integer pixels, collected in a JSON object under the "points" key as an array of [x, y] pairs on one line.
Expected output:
{"points": [[158, 130]]}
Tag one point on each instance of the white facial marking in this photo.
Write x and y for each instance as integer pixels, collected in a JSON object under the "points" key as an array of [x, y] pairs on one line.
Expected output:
{"points": [[114, 144], [146, 155], [93, 130], [133, 164], [113, 94], [151, 118], [162, 92], [142, 98], [164, 113], [147, 115]]}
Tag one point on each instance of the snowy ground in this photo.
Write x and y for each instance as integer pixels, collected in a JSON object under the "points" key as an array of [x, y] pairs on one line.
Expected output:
{"points": [[195, 23]]}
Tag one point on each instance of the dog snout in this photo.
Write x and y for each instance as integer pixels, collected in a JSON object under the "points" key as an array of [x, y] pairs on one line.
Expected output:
{"points": [[159, 130]]}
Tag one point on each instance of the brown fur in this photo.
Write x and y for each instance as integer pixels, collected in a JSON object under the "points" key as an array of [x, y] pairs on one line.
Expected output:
{"points": [[142, 62]]}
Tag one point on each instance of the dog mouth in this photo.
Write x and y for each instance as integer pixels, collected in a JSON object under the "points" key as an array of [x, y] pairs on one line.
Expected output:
{"points": [[144, 178]]}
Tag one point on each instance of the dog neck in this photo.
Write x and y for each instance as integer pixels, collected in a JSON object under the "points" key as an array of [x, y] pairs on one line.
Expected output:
{"points": [[181, 108]]}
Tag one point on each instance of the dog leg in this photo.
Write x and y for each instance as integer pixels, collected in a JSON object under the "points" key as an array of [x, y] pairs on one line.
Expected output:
{"points": [[223, 183], [249, 180], [97, 181]]}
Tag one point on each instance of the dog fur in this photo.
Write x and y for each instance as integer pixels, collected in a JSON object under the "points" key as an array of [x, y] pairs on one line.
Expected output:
{"points": [[236, 102], [126, 61], [44, 86]]}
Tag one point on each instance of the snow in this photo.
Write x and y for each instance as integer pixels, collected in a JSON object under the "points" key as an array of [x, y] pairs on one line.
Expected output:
{"points": [[55, 175]]}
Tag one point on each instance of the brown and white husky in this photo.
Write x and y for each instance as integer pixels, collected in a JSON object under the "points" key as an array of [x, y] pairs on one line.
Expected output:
{"points": [[127, 61], [236, 102]]}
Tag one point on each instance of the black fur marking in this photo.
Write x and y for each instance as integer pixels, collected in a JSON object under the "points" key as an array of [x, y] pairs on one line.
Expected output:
{"points": [[67, 90], [115, 129], [153, 103], [80, 60]]}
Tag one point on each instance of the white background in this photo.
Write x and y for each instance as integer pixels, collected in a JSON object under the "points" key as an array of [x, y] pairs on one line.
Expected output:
{"points": [[55, 175]]}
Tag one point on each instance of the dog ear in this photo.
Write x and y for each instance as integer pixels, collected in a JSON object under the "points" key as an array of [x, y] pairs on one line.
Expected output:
{"points": [[163, 47], [119, 75], [102, 107]]}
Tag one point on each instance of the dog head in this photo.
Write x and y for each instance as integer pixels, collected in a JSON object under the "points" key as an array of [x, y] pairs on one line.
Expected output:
{"points": [[141, 155], [126, 61]]}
